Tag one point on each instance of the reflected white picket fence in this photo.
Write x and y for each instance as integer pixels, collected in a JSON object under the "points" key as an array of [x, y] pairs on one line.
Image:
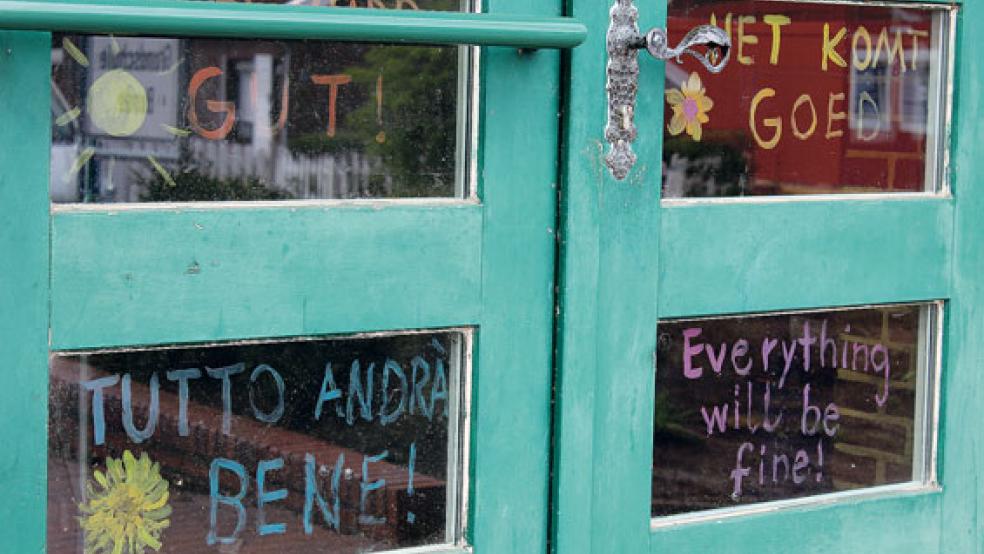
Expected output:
{"points": [[340, 175]]}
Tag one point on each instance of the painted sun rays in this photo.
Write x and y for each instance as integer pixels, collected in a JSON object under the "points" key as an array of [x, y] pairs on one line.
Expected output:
{"points": [[117, 104]]}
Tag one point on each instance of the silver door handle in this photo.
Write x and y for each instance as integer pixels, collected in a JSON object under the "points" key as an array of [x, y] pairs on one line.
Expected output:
{"points": [[624, 40], [716, 41]]}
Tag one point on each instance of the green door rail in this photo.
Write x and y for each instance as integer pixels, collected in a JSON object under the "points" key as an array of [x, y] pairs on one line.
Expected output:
{"points": [[273, 21]]}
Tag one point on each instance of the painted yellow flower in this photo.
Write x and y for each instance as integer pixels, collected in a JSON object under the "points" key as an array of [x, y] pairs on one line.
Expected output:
{"points": [[127, 510], [690, 106]]}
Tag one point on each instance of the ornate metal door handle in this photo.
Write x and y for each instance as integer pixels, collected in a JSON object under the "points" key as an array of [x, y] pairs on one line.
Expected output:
{"points": [[624, 39]]}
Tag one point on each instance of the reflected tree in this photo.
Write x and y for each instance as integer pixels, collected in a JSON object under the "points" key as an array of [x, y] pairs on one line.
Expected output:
{"points": [[418, 137]]}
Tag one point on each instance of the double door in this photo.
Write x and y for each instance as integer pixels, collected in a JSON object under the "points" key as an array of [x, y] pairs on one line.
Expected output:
{"points": [[353, 278]]}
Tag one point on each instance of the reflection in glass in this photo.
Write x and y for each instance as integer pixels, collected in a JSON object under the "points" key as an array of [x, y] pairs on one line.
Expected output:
{"points": [[334, 445], [818, 98], [757, 408], [138, 119]]}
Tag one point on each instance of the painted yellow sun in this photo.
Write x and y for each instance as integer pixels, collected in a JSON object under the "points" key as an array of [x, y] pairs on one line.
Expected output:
{"points": [[690, 105], [117, 103], [127, 509]]}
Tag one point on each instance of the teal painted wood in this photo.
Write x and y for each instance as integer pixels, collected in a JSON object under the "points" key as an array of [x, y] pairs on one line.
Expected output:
{"points": [[513, 376], [962, 456], [192, 274], [387, 266], [607, 323], [735, 258], [180, 18], [902, 524], [26, 120], [897, 251]]}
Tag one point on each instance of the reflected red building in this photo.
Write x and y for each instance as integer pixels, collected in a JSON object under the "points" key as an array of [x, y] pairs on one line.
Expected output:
{"points": [[817, 98]]}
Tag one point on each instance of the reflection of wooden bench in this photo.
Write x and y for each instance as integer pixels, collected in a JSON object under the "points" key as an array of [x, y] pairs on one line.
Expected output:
{"points": [[186, 460]]}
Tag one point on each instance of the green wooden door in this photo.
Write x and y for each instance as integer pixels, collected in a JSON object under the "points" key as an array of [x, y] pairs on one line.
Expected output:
{"points": [[566, 402], [640, 272], [84, 282]]}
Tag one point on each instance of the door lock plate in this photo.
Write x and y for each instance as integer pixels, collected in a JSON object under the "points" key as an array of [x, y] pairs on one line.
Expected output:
{"points": [[624, 41]]}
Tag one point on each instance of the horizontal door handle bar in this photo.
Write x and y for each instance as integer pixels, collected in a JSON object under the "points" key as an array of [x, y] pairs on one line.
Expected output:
{"points": [[274, 21]]}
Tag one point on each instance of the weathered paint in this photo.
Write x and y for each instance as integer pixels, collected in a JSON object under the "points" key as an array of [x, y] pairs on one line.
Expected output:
{"points": [[24, 111], [168, 276], [607, 325], [907, 523], [962, 455], [190, 274], [746, 257], [513, 377], [900, 250], [785, 255], [735, 258]]}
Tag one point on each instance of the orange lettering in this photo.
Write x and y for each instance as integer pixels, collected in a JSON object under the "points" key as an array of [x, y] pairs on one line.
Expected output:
{"points": [[332, 82], [284, 104], [197, 80]]}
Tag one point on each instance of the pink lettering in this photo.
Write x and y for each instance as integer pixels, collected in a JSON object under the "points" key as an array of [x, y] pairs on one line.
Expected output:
{"points": [[718, 418], [689, 370]]}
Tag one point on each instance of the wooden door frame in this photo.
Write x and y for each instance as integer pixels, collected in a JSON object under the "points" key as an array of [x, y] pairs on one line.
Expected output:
{"points": [[626, 261], [486, 264]]}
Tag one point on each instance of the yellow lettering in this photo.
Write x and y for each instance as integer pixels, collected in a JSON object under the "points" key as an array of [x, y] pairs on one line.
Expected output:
{"points": [[862, 98], [834, 116], [829, 52], [773, 122], [803, 99], [727, 23], [890, 53], [861, 34], [744, 39], [915, 44], [776, 21]]}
